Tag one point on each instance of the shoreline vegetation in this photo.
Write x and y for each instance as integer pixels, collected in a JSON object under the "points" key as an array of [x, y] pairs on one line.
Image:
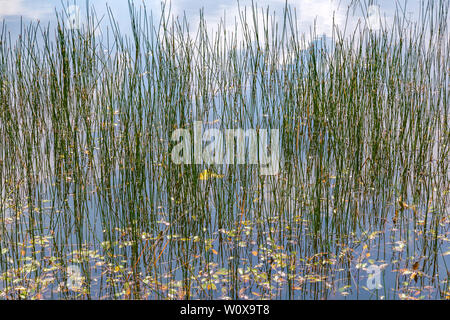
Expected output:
{"points": [[93, 207]]}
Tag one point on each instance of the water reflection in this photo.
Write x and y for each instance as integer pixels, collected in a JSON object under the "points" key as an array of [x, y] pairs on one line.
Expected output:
{"points": [[92, 192], [316, 16]]}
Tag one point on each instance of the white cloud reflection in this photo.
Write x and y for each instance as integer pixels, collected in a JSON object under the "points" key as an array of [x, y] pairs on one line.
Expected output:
{"points": [[317, 16]]}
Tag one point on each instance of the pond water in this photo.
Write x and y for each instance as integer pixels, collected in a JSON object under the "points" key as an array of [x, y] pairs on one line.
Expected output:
{"points": [[92, 205], [319, 14]]}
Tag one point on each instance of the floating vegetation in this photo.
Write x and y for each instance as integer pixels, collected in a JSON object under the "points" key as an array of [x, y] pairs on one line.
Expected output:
{"points": [[93, 207]]}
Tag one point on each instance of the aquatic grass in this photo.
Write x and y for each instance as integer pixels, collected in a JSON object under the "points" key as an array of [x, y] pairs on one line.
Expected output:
{"points": [[87, 178]]}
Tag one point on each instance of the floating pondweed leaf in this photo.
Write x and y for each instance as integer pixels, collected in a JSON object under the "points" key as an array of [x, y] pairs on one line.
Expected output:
{"points": [[403, 205], [208, 174], [137, 185], [163, 222]]}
